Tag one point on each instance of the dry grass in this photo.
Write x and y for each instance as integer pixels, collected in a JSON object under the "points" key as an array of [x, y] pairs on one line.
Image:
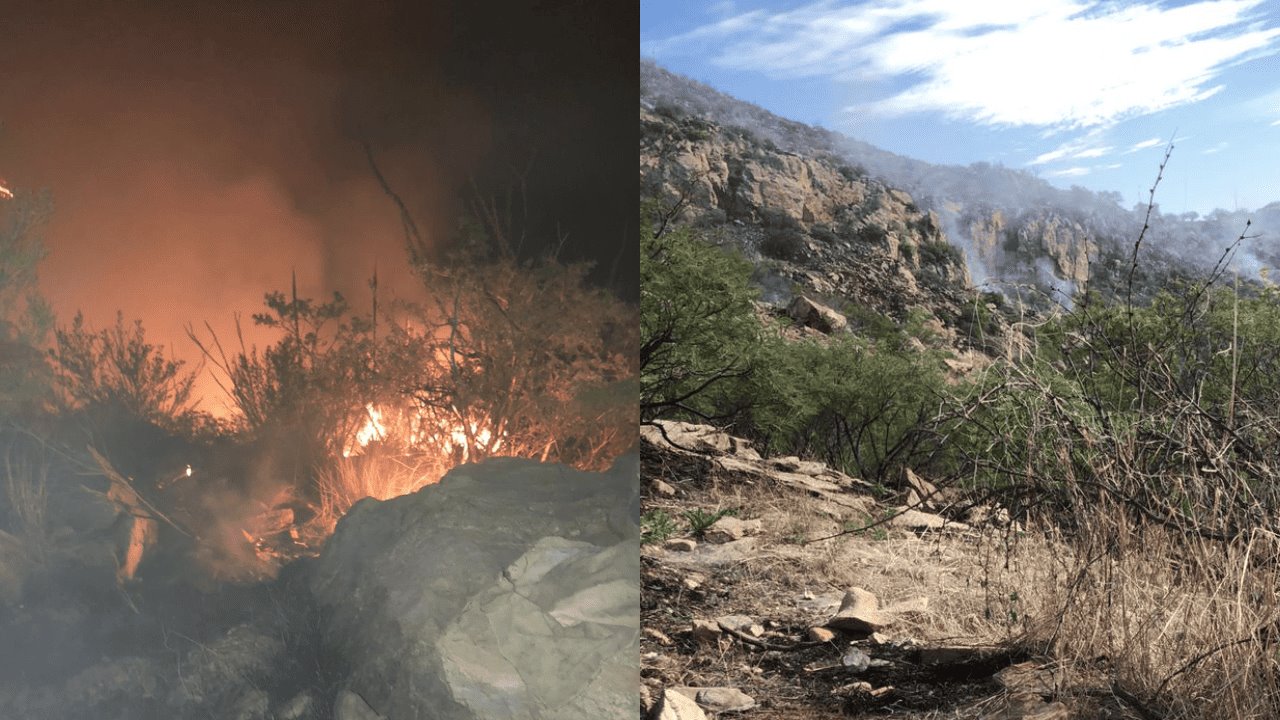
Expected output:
{"points": [[26, 500], [347, 480]]}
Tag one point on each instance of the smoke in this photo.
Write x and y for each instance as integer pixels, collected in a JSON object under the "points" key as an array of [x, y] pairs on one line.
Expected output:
{"points": [[200, 155]]}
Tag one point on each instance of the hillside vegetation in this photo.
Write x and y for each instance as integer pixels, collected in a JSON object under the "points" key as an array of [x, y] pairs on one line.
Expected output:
{"points": [[1125, 422]]}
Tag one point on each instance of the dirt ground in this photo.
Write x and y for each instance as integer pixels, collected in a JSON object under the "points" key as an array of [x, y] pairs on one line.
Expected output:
{"points": [[975, 588]]}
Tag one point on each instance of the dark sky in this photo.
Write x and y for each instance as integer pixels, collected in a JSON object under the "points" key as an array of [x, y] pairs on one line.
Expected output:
{"points": [[198, 152]]}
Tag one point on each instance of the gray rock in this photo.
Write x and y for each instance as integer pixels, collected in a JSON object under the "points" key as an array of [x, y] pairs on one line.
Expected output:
{"points": [[675, 706], [723, 699], [508, 590], [350, 706], [859, 613]]}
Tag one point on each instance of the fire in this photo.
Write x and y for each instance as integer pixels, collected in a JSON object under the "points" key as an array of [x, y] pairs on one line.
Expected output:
{"points": [[5, 192], [372, 430]]}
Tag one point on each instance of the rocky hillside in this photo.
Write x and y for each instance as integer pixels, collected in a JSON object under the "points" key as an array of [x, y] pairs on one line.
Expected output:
{"points": [[816, 227], [1020, 236]]}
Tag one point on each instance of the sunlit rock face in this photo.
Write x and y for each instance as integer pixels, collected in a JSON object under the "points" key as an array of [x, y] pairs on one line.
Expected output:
{"points": [[508, 590]]}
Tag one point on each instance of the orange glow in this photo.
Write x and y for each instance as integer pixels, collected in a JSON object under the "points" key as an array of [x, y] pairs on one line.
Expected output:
{"points": [[4, 191]]}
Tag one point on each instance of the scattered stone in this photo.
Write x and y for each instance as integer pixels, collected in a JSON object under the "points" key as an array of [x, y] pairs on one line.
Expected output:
{"points": [[675, 706], [958, 654], [791, 463], [816, 315], [729, 529], [680, 545], [856, 660], [879, 639], [859, 613], [692, 581], [1029, 706], [1044, 680], [662, 488], [741, 623], [717, 699], [705, 631], [821, 634], [987, 515], [920, 492], [722, 699], [916, 520]]}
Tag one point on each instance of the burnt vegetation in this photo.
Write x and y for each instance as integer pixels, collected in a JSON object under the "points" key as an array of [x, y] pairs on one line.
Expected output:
{"points": [[128, 509]]}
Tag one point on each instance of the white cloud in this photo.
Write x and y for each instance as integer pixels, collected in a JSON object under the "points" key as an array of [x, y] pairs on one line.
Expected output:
{"points": [[1069, 172], [1048, 63], [1093, 152], [1150, 142], [1216, 148], [1275, 123], [1082, 147]]}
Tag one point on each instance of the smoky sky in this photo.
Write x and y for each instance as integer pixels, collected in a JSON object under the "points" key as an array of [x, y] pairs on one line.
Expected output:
{"points": [[200, 153]]}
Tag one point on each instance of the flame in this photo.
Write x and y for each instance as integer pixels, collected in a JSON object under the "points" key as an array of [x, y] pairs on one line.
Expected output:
{"points": [[373, 430], [4, 191]]}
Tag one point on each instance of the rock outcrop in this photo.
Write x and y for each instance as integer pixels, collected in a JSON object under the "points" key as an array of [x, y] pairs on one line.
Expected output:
{"points": [[508, 590]]}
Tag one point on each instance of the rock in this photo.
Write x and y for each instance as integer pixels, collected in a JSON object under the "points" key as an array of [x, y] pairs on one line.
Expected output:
{"points": [[856, 660], [688, 437], [987, 515], [253, 705], [350, 706], [692, 581], [705, 631], [1029, 706], [958, 654], [920, 492], [791, 463], [680, 545], [879, 639], [816, 315], [300, 707], [821, 634], [675, 706], [508, 589], [859, 613], [1045, 680], [729, 528], [662, 488], [916, 520], [723, 699], [216, 672], [741, 623]]}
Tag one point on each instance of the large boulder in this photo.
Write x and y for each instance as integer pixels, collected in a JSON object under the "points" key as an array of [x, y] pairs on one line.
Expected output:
{"points": [[510, 589]]}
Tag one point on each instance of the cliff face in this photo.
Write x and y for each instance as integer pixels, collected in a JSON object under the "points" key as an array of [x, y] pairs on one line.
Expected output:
{"points": [[810, 223], [1013, 246]]}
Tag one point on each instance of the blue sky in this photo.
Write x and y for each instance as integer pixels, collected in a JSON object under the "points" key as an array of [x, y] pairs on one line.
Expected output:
{"points": [[1078, 92]]}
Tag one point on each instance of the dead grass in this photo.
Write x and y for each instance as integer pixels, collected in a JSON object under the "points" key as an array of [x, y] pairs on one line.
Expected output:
{"points": [[345, 481], [26, 500]]}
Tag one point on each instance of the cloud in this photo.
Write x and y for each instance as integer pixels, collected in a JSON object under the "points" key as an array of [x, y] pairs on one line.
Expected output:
{"points": [[1070, 172], [1275, 123], [1150, 142], [1080, 148], [1046, 63], [1216, 148]]}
